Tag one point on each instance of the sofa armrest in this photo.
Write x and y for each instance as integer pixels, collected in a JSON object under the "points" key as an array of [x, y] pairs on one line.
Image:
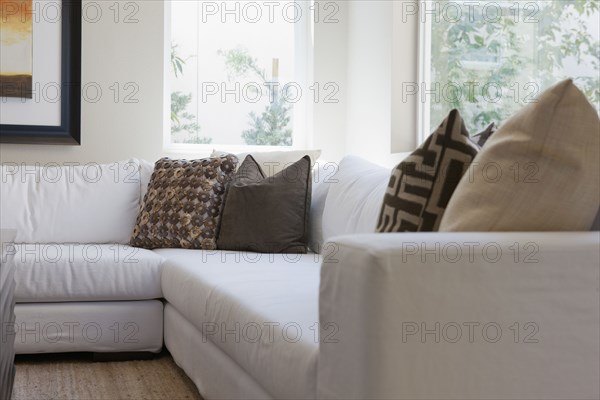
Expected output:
{"points": [[460, 315]]}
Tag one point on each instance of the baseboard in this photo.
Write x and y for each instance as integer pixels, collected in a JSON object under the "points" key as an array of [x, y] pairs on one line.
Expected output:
{"points": [[124, 356]]}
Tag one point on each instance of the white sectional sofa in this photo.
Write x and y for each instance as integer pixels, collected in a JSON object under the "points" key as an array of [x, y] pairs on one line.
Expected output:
{"points": [[435, 315]]}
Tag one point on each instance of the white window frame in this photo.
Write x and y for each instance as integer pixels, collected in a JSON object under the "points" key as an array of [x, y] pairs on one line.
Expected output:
{"points": [[424, 77], [302, 137]]}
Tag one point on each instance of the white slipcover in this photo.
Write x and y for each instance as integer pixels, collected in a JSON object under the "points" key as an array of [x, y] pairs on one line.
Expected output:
{"points": [[94, 326], [216, 375], [79, 203], [355, 197], [273, 162], [260, 309], [91, 272], [462, 316]]}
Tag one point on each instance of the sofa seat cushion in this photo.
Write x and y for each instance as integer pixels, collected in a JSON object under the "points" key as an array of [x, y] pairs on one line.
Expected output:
{"points": [[260, 309], [69, 272]]}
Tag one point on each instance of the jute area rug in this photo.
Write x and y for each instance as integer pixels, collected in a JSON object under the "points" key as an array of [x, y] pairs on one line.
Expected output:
{"points": [[77, 376]]}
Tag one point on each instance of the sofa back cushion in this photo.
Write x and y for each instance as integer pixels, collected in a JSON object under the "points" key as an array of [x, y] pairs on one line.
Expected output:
{"points": [[146, 170], [273, 162], [354, 198], [323, 176], [74, 203]]}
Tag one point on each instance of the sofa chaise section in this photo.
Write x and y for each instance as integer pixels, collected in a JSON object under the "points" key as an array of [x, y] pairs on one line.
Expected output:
{"points": [[259, 310]]}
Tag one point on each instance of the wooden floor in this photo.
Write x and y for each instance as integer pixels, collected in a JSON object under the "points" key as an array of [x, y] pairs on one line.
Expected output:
{"points": [[77, 376]]}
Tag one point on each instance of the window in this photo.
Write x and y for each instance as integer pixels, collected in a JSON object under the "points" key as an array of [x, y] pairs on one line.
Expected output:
{"points": [[238, 71], [489, 58]]}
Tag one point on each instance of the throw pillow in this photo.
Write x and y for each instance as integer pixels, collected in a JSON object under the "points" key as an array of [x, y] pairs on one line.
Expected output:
{"points": [[421, 185], [273, 162], [539, 172], [183, 204], [484, 135], [267, 214], [596, 224]]}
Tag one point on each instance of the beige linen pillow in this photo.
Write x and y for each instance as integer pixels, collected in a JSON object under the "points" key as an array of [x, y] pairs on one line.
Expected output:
{"points": [[273, 162], [539, 172]]}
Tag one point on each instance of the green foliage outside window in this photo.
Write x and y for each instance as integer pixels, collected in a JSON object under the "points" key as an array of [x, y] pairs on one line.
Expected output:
{"points": [[271, 127], [184, 125], [489, 67]]}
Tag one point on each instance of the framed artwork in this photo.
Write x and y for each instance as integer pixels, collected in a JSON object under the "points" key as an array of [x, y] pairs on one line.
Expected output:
{"points": [[40, 71]]}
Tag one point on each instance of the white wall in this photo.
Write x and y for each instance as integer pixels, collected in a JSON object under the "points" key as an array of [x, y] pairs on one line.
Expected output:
{"points": [[114, 52], [405, 69], [381, 52], [369, 53], [369, 76], [330, 66]]}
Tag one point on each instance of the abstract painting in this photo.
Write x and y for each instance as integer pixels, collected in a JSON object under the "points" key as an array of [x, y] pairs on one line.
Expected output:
{"points": [[41, 118], [16, 48]]}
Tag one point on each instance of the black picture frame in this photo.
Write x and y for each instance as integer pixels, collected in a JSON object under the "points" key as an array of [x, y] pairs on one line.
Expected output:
{"points": [[69, 130]]}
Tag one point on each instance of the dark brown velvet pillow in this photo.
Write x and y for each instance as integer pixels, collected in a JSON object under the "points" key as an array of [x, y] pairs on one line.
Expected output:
{"points": [[596, 224], [183, 204], [267, 214], [484, 135]]}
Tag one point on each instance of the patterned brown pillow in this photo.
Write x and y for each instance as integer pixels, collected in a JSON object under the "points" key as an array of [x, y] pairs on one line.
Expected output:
{"points": [[421, 185], [484, 135], [182, 208]]}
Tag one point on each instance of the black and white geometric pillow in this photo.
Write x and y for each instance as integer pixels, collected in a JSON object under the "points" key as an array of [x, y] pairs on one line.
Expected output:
{"points": [[421, 185], [484, 135]]}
